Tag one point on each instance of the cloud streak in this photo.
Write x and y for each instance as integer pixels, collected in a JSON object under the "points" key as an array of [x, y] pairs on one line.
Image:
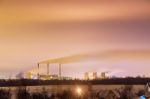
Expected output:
{"points": [[27, 12], [108, 55]]}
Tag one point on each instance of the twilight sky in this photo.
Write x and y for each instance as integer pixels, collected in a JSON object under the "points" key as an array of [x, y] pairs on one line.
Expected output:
{"points": [[113, 35]]}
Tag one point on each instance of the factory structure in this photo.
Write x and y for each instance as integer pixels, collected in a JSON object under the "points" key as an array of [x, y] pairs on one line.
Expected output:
{"points": [[42, 76], [48, 76], [58, 76], [95, 76]]}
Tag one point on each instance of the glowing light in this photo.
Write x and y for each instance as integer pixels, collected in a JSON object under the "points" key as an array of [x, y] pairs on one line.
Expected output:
{"points": [[79, 91]]}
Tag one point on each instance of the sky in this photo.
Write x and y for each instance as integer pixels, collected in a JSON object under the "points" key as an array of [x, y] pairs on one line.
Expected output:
{"points": [[109, 35]]}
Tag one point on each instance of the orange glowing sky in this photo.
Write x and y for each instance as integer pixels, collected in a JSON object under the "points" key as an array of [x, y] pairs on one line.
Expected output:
{"points": [[115, 33]]}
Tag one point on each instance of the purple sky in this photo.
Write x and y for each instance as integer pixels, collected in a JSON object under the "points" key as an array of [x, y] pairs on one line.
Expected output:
{"points": [[32, 31]]}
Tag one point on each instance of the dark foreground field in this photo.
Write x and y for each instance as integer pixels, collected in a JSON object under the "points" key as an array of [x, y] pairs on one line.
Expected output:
{"points": [[22, 93]]}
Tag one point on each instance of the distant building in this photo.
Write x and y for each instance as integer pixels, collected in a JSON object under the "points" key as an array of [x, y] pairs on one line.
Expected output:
{"points": [[90, 75], [48, 77], [86, 76], [20, 75], [28, 75], [94, 75], [103, 75]]}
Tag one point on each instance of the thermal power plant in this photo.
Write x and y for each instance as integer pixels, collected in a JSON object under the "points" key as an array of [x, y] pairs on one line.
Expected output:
{"points": [[103, 75], [94, 75], [28, 75], [20, 75], [86, 76], [48, 77], [90, 76]]}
